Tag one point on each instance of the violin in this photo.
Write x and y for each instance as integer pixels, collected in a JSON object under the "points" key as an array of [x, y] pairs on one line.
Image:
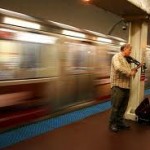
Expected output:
{"points": [[133, 60]]}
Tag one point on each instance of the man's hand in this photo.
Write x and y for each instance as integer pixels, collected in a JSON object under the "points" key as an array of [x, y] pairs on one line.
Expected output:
{"points": [[133, 71]]}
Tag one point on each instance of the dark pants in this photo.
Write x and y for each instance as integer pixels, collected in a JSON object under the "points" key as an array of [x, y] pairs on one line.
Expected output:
{"points": [[119, 100]]}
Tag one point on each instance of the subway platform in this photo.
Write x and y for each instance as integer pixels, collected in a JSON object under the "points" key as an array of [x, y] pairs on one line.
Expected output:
{"points": [[85, 133]]}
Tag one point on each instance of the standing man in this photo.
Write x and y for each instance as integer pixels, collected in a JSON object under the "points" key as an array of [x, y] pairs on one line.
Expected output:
{"points": [[120, 75]]}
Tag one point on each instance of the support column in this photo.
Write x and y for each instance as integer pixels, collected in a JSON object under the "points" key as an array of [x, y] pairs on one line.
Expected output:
{"points": [[138, 39]]}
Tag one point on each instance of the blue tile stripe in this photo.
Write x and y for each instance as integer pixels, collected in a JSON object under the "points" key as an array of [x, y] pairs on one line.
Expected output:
{"points": [[147, 92], [32, 130]]}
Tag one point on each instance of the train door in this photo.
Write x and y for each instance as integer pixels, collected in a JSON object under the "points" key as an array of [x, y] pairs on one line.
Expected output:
{"points": [[77, 78]]}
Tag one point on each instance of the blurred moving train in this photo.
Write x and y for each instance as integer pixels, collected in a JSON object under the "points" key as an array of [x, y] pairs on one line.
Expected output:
{"points": [[48, 68]]}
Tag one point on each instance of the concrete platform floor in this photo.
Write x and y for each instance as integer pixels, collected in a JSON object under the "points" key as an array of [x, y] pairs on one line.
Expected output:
{"points": [[91, 133]]}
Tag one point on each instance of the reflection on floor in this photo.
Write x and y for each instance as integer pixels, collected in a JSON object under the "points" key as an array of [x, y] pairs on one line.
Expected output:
{"points": [[91, 133]]}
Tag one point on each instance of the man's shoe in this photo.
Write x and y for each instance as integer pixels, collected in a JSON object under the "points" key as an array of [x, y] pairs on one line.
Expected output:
{"points": [[114, 128]]}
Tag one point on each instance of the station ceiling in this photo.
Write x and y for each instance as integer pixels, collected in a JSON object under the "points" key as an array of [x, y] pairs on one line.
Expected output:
{"points": [[126, 10], [121, 8]]}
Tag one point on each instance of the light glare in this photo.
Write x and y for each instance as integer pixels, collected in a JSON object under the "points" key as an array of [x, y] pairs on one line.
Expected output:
{"points": [[36, 38], [72, 33], [100, 39], [21, 23]]}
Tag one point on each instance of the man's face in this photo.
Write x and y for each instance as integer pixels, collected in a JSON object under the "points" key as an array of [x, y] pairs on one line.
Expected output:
{"points": [[127, 51]]}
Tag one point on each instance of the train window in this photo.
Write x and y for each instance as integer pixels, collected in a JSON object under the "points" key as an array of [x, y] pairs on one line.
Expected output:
{"points": [[78, 57], [22, 60], [48, 60], [9, 59], [29, 55]]}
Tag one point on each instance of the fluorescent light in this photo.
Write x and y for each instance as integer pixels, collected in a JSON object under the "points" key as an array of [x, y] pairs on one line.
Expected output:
{"points": [[21, 23], [36, 38], [100, 39], [72, 33]]}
